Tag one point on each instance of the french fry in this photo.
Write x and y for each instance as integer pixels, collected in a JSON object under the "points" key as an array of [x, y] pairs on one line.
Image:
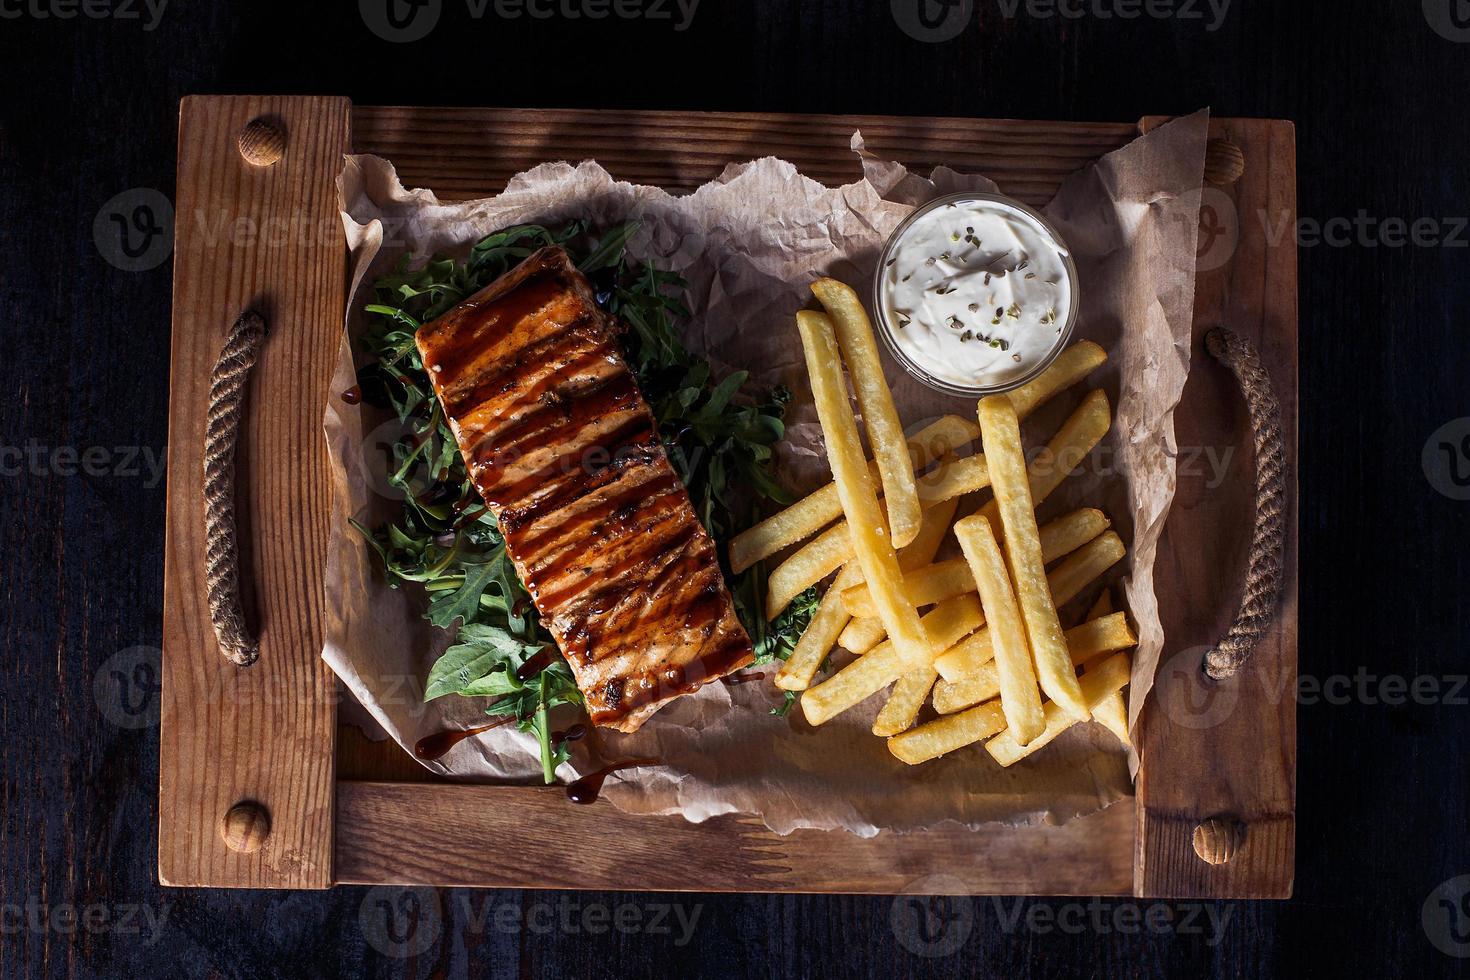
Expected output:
{"points": [[816, 559], [884, 664], [831, 616], [880, 416], [1070, 577], [954, 479], [1110, 677], [833, 547], [874, 550], [901, 709], [924, 587], [860, 636], [820, 635], [932, 531], [944, 735], [821, 507], [818, 509], [945, 436], [1112, 713], [1103, 635], [1070, 367], [1001, 434], [1063, 453], [939, 581], [1020, 698]]}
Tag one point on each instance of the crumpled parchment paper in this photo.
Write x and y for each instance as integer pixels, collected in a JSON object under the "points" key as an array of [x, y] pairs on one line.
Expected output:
{"points": [[750, 243]]}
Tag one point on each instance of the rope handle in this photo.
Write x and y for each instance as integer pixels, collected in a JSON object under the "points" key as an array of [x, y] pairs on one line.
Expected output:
{"points": [[1260, 597], [221, 434]]}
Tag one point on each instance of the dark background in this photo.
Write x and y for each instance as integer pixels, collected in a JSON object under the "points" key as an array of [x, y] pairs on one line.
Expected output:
{"points": [[89, 109]]}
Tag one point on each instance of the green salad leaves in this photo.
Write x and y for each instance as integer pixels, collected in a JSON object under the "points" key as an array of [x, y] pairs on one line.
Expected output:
{"points": [[718, 434]]}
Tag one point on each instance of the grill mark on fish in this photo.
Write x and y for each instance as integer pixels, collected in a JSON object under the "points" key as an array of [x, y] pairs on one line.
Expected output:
{"points": [[612, 394], [642, 525], [547, 536], [540, 486], [641, 554], [535, 291], [558, 356], [565, 452], [613, 515], [562, 492]]}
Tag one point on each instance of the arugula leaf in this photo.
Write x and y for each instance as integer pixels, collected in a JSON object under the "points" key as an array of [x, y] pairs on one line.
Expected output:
{"points": [[482, 653], [463, 602]]}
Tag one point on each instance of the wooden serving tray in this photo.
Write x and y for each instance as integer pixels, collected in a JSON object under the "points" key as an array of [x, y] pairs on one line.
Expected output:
{"points": [[341, 809]]}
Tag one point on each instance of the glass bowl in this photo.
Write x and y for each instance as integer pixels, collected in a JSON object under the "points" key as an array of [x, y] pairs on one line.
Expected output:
{"points": [[886, 329]]}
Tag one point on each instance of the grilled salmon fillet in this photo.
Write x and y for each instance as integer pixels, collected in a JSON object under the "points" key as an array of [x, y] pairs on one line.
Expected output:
{"points": [[565, 452]]}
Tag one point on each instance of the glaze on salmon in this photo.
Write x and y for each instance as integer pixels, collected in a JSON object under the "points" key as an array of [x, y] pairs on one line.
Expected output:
{"points": [[565, 452]]}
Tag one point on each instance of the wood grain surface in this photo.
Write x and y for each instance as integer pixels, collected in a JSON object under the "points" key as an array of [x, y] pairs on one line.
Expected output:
{"points": [[1090, 856], [93, 114], [468, 153], [1227, 749], [257, 237]]}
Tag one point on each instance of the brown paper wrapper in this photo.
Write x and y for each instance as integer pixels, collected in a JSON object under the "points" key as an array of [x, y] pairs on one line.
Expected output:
{"points": [[750, 243]]}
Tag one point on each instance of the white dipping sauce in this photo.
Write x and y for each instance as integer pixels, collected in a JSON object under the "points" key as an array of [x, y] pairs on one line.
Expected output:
{"points": [[976, 293]]}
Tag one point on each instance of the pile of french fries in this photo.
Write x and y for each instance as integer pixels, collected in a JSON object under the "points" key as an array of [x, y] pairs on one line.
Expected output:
{"points": [[978, 636]]}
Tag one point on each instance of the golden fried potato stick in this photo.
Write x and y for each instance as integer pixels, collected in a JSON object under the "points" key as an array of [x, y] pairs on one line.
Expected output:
{"points": [[874, 551], [862, 635], [1103, 635], [1110, 677], [827, 623], [820, 635], [1070, 367], [1070, 577], [1001, 434], [933, 583], [816, 559], [1063, 453], [1112, 713], [818, 509], [884, 664], [880, 415], [901, 709], [925, 586], [954, 479], [1020, 698], [918, 554], [944, 735]]}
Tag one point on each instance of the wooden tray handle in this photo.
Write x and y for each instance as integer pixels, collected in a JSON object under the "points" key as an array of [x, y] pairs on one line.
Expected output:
{"points": [[1261, 595], [221, 434]]}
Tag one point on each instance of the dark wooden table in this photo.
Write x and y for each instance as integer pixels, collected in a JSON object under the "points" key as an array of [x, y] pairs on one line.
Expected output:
{"points": [[89, 113]]}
